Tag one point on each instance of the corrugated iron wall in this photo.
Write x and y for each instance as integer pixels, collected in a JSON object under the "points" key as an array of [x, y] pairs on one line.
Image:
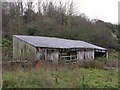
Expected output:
{"points": [[22, 50]]}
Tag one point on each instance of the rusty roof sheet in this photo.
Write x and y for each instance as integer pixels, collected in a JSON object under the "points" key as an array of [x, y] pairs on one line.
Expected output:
{"points": [[52, 42]]}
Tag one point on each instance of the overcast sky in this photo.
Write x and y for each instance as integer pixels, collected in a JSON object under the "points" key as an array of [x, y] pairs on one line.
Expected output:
{"points": [[106, 10]]}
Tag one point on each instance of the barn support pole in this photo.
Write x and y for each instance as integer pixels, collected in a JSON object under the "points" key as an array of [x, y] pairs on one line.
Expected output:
{"points": [[93, 54], [45, 54], [78, 56], [107, 55]]}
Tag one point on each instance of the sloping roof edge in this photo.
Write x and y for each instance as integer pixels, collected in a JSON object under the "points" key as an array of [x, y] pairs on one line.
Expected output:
{"points": [[53, 42]]}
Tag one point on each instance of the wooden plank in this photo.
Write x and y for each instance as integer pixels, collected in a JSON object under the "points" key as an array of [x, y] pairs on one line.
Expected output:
{"points": [[80, 55]]}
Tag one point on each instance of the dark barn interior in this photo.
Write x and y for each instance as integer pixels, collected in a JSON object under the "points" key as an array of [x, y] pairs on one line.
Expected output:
{"points": [[99, 54]]}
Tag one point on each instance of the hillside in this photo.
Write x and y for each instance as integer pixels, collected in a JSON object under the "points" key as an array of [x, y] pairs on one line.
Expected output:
{"points": [[58, 21]]}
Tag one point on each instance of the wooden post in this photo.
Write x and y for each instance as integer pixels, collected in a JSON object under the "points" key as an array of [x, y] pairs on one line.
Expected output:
{"points": [[45, 54], [107, 55], [93, 54]]}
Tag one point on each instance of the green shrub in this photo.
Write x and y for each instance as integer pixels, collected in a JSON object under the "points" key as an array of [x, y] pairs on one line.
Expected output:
{"points": [[31, 31], [6, 49]]}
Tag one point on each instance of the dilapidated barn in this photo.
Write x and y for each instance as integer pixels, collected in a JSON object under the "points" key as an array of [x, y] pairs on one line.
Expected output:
{"points": [[54, 49]]}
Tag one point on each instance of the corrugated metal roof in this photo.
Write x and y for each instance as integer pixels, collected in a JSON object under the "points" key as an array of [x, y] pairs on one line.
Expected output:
{"points": [[52, 42]]}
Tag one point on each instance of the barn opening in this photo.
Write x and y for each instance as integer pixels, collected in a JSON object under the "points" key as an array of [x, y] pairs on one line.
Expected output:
{"points": [[69, 55], [100, 53], [40, 53]]}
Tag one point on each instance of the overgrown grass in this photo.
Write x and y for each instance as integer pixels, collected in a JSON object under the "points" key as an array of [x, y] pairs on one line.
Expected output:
{"points": [[113, 55], [61, 78], [91, 76]]}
